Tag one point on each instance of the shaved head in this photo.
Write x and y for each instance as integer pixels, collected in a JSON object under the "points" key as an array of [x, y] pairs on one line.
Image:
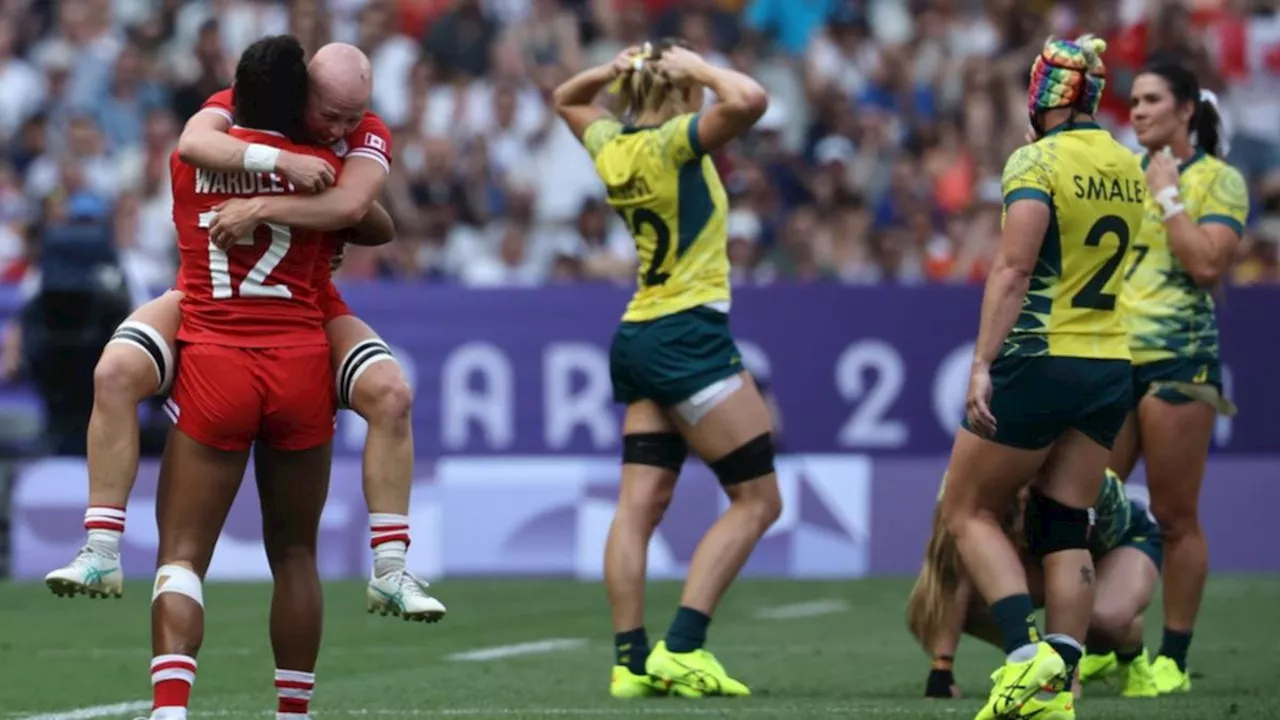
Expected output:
{"points": [[341, 84], [342, 74]]}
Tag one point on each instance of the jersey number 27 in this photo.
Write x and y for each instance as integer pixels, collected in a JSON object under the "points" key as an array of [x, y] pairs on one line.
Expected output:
{"points": [[254, 283]]}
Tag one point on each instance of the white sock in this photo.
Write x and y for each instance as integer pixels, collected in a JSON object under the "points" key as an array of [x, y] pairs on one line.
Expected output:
{"points": [[389, 536], [105, 526], [292, 716], [169, 713]]}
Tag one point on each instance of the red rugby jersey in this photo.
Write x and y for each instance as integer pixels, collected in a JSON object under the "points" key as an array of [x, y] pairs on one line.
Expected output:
{"points": [[262, 291]]}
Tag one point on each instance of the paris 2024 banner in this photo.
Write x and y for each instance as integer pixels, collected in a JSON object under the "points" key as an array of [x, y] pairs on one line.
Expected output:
{"points": [[518, 440]]}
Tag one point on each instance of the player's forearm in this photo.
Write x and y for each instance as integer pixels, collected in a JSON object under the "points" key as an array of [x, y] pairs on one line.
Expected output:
{"points": [[1200, 255], [375, 228], [581, 89], [736, 92], [1001, 302], [212, 150], [328, 211]]}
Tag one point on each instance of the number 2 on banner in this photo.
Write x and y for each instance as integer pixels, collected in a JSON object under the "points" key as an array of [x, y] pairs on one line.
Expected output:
{"points": [[254, 283], [867, 426]]}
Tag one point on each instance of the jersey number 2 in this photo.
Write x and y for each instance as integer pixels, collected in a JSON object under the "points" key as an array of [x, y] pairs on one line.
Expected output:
{"points": [[1091, 296], [641, 219], [254, 283]]}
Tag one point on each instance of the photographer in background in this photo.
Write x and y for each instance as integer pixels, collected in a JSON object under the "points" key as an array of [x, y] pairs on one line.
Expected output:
{"points": [[77, 295]]}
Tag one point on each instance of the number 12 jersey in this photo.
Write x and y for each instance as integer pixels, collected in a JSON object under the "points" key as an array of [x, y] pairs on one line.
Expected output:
{"points": [[262, 291]]}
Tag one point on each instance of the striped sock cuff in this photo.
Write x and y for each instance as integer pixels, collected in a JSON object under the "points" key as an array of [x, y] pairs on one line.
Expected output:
{"points": [[293, 690], [104, 517], [173, 667], [387, 527]]}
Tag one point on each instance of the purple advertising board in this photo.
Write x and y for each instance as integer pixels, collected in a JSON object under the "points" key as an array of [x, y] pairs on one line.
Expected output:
{"points": [[845, 516], [878, 370], [517, 437]]}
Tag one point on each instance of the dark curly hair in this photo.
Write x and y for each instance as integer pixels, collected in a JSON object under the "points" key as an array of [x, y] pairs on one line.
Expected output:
{"points": [[271, 86]]}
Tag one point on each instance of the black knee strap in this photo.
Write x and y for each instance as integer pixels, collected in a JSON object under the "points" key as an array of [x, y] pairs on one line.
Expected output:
{"points": [[1053, 527], [663, 450], [751, 460]]}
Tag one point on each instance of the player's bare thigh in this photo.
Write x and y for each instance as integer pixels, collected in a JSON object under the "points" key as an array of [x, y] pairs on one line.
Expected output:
{"points": [[140, 358], [292, 488], [647, 487], [197, 486], [364, 368]]}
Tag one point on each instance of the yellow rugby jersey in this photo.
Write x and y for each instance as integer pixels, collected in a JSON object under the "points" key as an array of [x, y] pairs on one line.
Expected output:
{"points": [[670, 195], [1094, 188], [1169, 316]]}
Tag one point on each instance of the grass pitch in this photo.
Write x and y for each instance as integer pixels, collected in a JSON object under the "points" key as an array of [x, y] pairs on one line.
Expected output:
{"points": [[542, 649]]}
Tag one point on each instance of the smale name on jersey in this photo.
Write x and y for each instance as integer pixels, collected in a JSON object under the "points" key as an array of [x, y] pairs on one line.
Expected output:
{"points": [[634, 187], [1110, 189], [210, 182]]}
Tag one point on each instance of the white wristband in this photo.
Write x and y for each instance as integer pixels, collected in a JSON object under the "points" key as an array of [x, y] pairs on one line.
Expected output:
{"points": [[1169, 201], [260, 158]]}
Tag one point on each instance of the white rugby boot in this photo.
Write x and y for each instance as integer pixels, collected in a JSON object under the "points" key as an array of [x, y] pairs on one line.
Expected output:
{"points": [[93, 573], [402, 594]]}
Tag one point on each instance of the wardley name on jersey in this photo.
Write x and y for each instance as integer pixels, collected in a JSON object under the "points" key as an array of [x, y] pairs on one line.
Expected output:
{"points": [[211, 182]]}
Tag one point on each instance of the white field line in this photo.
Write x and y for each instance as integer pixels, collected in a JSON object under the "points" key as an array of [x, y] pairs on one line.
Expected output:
{"points": [[630, 711], [500, 652], [125, 709], [478, 655], [95, 711], [797, 611]]}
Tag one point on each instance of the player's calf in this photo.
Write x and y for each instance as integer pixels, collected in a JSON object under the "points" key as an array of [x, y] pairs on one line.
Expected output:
{"points": [[136, 363], [177, 631], [371, 383]]}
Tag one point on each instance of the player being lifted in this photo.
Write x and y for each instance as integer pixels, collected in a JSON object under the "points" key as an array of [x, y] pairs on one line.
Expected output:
{"points": [[1050, 383], [1127, 551], [375, 389], [673, 361], [255, 371], [1196, 210]]}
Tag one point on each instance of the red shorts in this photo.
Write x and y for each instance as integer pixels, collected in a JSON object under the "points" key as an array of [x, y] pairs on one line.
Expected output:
{"points": [[331, 303], [228, 397]]}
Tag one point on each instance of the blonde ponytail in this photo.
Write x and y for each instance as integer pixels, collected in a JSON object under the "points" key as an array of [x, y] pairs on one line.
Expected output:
{"points": [[644, 89]]}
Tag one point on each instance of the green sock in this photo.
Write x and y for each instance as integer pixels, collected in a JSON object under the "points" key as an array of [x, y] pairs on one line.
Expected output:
{"points": [[688, 630], [631, 649]]}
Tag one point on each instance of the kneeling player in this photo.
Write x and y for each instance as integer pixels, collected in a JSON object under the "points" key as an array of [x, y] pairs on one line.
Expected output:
{"points": [[1127, 549], [374, 389], [255, 369]]}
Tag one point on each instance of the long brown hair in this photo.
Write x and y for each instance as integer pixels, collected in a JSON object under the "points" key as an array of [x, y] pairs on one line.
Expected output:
{"points": [[929, 606]]}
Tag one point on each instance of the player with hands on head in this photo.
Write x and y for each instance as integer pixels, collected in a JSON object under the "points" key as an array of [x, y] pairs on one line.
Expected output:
{"points": [[673, 361]]}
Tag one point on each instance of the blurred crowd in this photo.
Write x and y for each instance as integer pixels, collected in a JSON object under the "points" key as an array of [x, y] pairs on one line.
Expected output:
{"points": [[878, 160]]}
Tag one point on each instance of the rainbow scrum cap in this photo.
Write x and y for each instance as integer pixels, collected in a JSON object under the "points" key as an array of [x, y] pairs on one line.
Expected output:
{"points": [[1068, 74]]}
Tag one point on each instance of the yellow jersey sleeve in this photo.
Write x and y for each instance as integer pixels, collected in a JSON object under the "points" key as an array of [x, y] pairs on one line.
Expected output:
{"points": [[1227, 201], [1027, 176], [599, 133], [678, 139]]}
